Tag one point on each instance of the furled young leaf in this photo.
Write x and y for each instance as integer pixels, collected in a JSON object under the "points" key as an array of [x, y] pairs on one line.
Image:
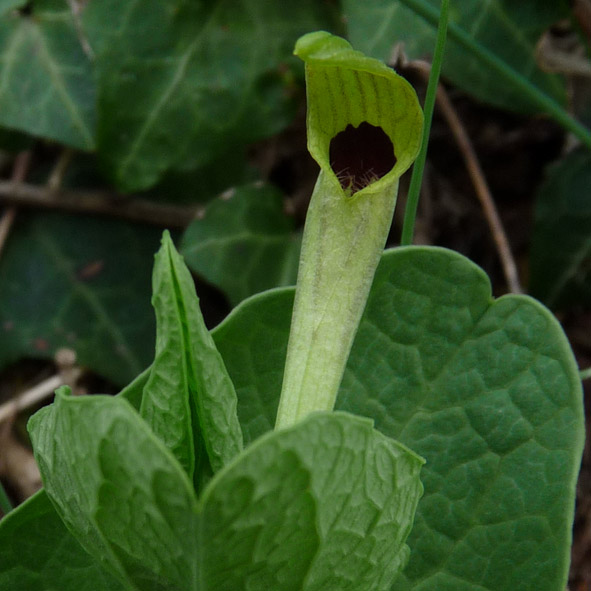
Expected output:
{"points": [[180, 81], [118, 490], [487, 391], [82, 283], [509, 30], [38, 553], [244, 243], [561, 244], [46, 80], [189, 400], [322, 506]]}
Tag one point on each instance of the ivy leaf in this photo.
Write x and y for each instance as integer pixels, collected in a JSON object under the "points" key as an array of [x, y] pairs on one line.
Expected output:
{"points": [[561, 244], [78, 282], [189, 400], [39, 553], [508, 30], [179, 81], [46, 80], [8, 5], [487, 391], [244, 243]]}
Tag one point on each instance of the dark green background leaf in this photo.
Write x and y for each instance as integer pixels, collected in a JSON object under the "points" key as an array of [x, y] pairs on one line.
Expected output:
{"points": [[244, 243], [46, 80], [508, 29], [561, 244], [7, 5], [180, 81], [82, 283], [488, 392], [40, 554]]}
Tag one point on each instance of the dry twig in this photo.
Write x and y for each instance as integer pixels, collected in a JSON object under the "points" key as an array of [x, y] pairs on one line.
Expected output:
{"points": [[19, 173], [478, 180], [97, 202], [68, 374]]}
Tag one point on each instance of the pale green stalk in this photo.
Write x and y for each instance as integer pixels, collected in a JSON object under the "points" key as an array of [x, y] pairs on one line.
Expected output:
{"points": [[345, 234], [343, 242]]}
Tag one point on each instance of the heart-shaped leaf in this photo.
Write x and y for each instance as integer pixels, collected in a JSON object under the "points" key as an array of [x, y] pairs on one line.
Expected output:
{"points": [[487, 391]]}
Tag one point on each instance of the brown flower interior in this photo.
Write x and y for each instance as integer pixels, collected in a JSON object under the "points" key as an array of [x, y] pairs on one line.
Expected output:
{"points": [[361, 155]]}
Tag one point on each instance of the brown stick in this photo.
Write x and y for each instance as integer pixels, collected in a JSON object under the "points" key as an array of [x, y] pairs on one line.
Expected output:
{"points": [[478, 180], [19, 173], [97, 202]]}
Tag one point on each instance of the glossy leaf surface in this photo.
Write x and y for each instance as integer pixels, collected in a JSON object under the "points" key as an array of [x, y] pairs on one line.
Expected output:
{"points": [[46, 80], [81, 283], [508, 30], [244, 243], [561, 244]]}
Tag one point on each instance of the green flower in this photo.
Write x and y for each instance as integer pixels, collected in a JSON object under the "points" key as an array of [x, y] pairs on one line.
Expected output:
{"points": [[364, 130]]}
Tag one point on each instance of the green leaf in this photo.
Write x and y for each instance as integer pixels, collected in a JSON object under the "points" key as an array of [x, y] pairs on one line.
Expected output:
{"points": [[508, 30], [118, 490], [253, 342], [134, 391], [189, 400], [38, 553], [8, 5], [82, 283], [244, 243], [487, 391], [46, 80], [561, 243], [325, 505], [180, 81]]}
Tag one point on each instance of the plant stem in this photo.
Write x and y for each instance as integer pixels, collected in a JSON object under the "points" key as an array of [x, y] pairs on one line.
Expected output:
{"points": [[5, 504], [585, 374], [414, 190], [343, 241], [488, 59]]}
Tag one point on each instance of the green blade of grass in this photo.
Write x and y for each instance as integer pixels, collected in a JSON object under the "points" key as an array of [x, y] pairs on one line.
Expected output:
{"points": [[417, 170]]}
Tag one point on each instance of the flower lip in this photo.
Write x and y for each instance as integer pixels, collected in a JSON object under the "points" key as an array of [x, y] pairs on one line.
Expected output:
{"points": [[360, 156]]}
